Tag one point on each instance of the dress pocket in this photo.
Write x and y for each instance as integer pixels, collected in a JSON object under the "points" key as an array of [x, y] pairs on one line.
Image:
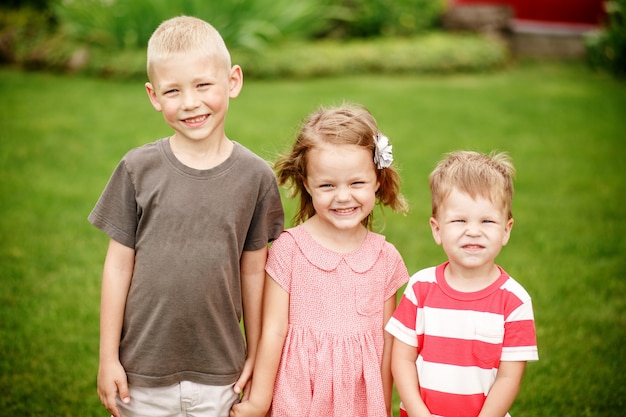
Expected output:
{"points": [[369, 298], [487, 345]]}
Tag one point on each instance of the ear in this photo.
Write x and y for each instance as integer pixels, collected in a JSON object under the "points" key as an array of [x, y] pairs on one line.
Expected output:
{"points": [[235, 81], [507, 232], [434, 227], [153, 97]]}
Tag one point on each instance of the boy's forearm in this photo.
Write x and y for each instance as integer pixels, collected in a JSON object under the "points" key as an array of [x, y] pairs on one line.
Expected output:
{"points": [[252, 282], [504, 390], [116, 278], [406, 378]]}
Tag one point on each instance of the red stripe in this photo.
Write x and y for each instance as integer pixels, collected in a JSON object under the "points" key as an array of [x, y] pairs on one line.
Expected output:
{"points": [[444, 404], [461, 352]]}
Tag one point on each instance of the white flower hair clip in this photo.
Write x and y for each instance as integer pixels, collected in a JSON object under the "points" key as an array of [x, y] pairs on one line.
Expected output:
{"points": [[382, 152]]}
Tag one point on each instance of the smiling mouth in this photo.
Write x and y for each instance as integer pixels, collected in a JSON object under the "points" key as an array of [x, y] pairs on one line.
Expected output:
{"points": [[344, 211], [473, 247], [197, 119]]}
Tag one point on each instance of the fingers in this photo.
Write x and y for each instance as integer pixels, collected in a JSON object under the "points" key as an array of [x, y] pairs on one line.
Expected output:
{"points": [[241, 383], [108, 397]]}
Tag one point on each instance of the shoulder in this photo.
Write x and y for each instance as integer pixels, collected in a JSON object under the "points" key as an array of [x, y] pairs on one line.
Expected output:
{"points": [[428, 275], [252, 161], [144, 155], [516, 289]]}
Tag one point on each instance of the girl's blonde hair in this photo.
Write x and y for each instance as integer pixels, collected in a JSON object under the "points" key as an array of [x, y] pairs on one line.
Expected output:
{"points": [[349, 124], [476, 174], [185, 34]]}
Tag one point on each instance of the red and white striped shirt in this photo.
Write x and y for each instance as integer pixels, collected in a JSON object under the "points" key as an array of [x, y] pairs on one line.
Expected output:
{"points": [[462, 337]]}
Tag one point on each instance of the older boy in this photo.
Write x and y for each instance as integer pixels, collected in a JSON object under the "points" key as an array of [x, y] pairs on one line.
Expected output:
{"points": [[189, 218]]}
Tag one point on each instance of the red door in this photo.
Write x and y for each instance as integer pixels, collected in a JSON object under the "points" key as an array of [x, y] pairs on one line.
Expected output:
{"points": [[571, 11]]}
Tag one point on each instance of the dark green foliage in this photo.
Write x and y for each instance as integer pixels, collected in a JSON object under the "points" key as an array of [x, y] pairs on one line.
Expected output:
{"points": [[374, 18], [607, 49]]}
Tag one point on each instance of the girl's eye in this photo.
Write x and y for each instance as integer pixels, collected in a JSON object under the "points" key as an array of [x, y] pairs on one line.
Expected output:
{"points": [[358, 183]]}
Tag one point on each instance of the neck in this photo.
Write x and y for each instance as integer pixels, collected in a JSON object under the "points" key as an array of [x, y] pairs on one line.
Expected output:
{"points": [[337, 240], [201, 154]]}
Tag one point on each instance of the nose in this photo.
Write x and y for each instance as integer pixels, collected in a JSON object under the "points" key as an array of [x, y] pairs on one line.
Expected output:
{"points": [[190, 100], [343, 194], [472, 229]]}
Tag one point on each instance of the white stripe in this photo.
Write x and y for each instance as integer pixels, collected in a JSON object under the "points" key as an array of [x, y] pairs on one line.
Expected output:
{"points": [[400, 332], [520, 353], [516, 288], [462, 380], [461, 324]]}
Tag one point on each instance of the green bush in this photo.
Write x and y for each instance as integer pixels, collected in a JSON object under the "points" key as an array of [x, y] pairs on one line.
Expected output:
{"points": [[374, 18], [269, 39], [119, 25], [607, 49], [429, 53]]}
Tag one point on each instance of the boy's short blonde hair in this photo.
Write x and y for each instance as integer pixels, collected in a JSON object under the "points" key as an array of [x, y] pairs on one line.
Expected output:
{"points": [[478, 175], [185, 34]]}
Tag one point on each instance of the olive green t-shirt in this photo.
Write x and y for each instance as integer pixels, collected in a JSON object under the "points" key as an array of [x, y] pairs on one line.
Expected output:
{"points": [[188, 228]]}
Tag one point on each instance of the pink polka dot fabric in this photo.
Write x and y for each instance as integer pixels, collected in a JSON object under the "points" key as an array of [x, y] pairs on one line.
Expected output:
{"points": [[331, 359]]}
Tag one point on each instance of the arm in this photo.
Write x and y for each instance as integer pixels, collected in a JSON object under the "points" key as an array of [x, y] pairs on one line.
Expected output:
{"points": [[116, 277], [252, 266], [504, 389], [275, 324], [403, 359], [390, 307]]}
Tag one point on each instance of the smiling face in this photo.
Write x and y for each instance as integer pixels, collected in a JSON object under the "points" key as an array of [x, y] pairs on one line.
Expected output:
{"points": [[193, 91], [472, 231], [341, 180]]}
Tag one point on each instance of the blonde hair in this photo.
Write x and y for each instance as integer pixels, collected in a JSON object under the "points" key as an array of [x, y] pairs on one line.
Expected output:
{"points": [[479, 175], [183, 34], [346, 124]]}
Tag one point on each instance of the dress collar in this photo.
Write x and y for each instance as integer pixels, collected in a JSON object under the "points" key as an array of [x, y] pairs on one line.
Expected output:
{"points": [[360, 260]]}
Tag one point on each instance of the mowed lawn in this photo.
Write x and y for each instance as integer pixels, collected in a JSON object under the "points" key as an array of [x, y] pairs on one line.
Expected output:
{"points": [[564, 126]]}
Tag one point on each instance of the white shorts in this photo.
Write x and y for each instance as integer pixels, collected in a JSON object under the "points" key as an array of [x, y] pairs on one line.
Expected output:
{"points": [[185, 399]]}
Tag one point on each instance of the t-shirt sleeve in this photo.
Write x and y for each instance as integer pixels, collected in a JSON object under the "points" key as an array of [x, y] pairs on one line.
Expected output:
{"points": [[402, 324], [268, 219], [115, 213]]}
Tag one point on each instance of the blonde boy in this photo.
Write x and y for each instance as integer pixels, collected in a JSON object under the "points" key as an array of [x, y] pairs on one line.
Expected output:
{"points": [[464, 330], [189, 218]]}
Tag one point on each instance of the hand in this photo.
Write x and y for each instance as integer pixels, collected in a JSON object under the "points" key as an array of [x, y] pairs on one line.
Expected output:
{"points": [[247, 409], [111, 381], [242, 385]]}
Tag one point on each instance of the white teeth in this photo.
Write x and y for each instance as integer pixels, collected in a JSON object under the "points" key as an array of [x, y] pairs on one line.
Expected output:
{"points": [[196, 119], [343, 210]]}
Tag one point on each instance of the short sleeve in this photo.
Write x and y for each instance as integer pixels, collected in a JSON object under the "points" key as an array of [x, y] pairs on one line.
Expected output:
{"points": [[398, 274], [280, 260], [115, 213]]}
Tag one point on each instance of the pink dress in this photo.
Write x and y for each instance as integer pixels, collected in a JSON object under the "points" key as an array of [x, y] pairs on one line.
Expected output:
{"points": [[330, 364]]}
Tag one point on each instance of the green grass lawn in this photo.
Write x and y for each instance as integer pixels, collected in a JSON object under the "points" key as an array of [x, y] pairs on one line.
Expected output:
{"points": [[565, 128]]}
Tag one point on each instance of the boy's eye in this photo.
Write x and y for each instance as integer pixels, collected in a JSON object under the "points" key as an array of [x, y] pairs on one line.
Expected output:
{"points": [[170, 92]]}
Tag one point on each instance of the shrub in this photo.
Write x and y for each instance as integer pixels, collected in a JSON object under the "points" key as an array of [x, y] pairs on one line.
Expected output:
{"points": [[374, 18], [243, 23], [607, 49]]}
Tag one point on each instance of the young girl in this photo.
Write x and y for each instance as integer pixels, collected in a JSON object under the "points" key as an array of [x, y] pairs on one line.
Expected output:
{"points": [[331, 283]]}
